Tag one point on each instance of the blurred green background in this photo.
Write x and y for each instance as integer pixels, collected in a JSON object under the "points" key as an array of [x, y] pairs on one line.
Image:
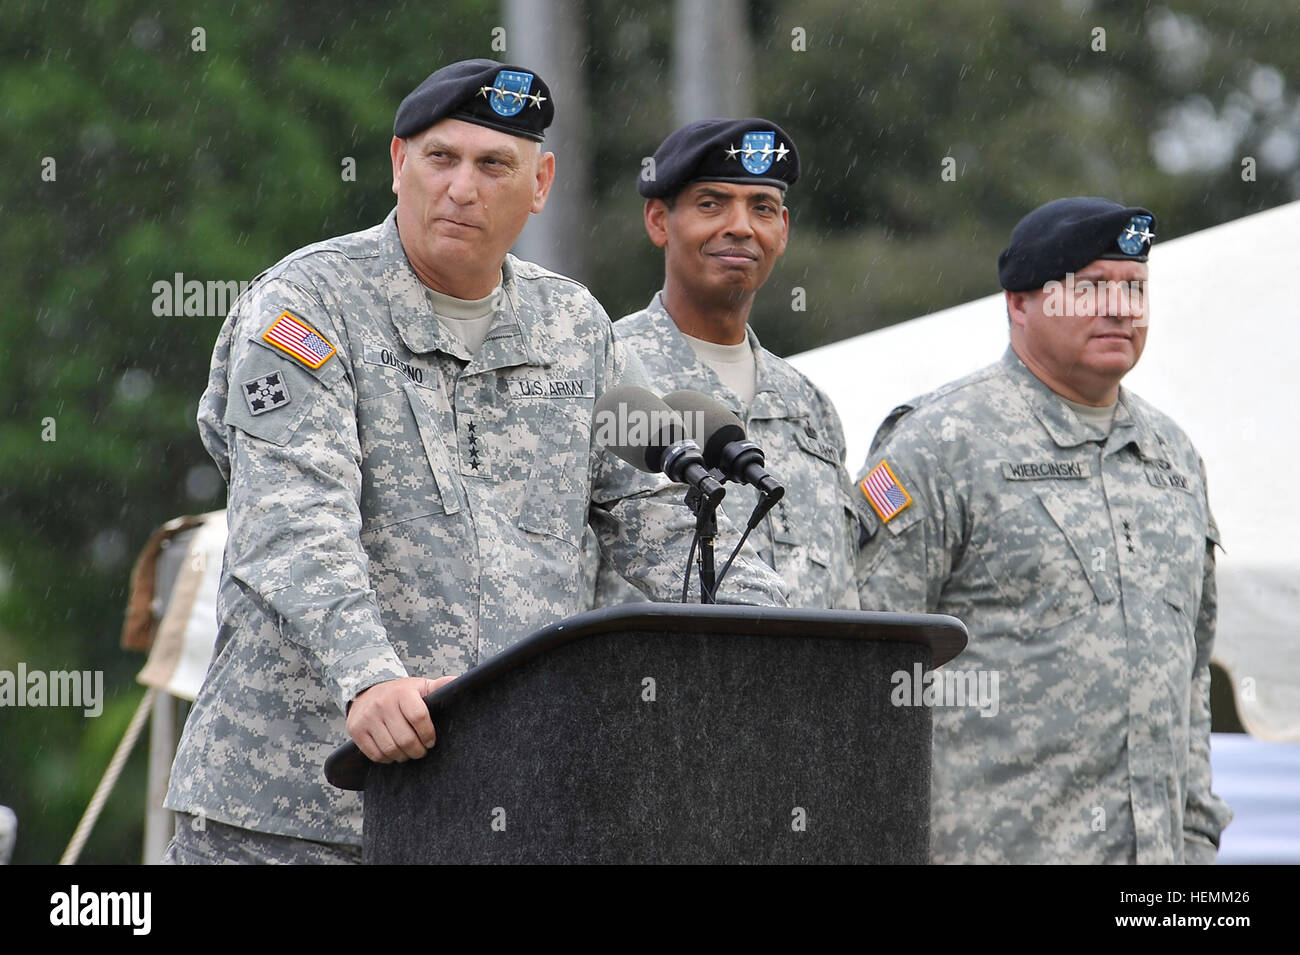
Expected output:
{"points": [[216, 163]]}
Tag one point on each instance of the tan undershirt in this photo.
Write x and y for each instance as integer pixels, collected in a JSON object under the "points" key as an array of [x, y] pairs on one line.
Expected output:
{"points": [[1100, 418], [469, 321], [734, 364]]}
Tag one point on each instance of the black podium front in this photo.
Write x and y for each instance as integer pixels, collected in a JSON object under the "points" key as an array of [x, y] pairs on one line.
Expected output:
{"points": [[672, 733]]}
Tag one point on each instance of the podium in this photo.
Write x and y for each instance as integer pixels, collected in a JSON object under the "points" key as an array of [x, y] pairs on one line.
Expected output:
{"points": [[676, 733]]}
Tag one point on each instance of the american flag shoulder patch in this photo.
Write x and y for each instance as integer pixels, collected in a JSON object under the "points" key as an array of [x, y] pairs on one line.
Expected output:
{"points": [[292, 335], [885, 493]]}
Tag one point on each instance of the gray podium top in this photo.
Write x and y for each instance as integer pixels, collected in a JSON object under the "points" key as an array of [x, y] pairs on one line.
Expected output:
{"points": [[943, 636]]}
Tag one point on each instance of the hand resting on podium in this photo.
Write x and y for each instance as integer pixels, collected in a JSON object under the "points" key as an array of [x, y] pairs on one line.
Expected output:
{"points": [[389, 721]]}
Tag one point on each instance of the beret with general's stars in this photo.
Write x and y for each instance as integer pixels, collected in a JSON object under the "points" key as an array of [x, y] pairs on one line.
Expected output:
{"points": [[1066, 234], [509, 99], [749, 151]]}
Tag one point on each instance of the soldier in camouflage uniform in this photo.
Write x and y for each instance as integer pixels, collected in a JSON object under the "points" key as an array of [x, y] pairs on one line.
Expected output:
{"points": [[410, 469], [715, 204], [1066, 522]]}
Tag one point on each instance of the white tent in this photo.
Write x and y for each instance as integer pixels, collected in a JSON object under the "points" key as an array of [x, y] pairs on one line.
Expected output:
{"points": [[1222, 350]]}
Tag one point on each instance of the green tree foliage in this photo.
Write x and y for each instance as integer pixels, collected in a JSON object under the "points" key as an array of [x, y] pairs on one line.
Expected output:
{"points": [[215, 162]]}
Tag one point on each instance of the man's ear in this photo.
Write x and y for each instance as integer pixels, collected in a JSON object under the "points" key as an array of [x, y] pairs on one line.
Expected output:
{"points": [[785, 229], [545, 179], [656, 221], [398, 150], [1016, 307]]}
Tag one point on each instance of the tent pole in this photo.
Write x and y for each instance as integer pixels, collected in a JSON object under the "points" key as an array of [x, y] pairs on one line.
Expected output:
{"points": [[158, 822]]}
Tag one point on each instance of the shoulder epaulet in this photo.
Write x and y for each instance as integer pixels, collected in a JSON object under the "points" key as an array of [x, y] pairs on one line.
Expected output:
{"points": [[525, 271], [891, 421]]}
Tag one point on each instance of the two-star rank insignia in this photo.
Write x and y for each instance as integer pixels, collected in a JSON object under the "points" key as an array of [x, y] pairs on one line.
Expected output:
{"points": [[266, 393], [293, 336], [886, 495], [1135, 235]]}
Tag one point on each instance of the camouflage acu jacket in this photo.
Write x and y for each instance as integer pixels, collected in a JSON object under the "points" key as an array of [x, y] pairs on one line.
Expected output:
{"points": [[397, 507], [1083, 566], [810, 537]]}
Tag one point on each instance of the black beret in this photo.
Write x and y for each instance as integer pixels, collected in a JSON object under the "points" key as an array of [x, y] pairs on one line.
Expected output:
{"points": [[1066, 234], [505, 98], [750, 151]]}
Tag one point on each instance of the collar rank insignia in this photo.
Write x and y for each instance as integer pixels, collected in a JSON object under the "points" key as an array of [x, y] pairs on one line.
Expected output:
{"points": [[508, 95], [1135, 235], [886, 495], [266, 393], [293, 336]]}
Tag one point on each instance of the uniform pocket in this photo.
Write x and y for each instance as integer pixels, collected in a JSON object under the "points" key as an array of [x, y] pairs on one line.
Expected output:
{"points": [[1043, 561], [1177, 604], [814, 527], [795, 538], [405, 463], [556, 498], [555, 514]]}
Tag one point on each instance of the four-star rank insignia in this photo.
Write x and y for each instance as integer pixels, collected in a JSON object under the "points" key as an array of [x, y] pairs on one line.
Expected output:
{"points": [[509, 94], [266, 393], [759, 150]]}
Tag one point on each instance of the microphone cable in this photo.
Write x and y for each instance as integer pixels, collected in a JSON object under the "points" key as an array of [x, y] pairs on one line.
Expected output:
{"points": [[755, 518], [690, 558]]}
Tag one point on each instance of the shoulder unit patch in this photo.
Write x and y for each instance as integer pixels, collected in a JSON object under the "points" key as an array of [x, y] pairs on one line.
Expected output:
{"points": [[886, 495], [266, 393], [296, 338]]}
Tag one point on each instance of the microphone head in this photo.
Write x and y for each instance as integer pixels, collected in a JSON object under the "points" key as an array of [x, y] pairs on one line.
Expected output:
{"points": [[636, 425], [718, 426]]}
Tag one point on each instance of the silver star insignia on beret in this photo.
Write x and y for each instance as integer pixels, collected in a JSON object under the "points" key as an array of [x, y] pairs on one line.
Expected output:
{"points": [[779, 153], [1146, 235], [537, 98]]}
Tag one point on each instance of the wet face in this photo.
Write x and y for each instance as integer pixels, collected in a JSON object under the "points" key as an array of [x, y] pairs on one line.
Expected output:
{"points": [[464, 193], [720, 239], [1082, 338]]}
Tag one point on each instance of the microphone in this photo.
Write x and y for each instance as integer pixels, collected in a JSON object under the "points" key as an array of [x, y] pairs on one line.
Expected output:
{"points": [[637, 426], [726, 447]]}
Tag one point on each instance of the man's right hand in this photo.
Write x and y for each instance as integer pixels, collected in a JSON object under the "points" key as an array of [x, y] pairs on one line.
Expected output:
{"points": [[389, 721]]}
